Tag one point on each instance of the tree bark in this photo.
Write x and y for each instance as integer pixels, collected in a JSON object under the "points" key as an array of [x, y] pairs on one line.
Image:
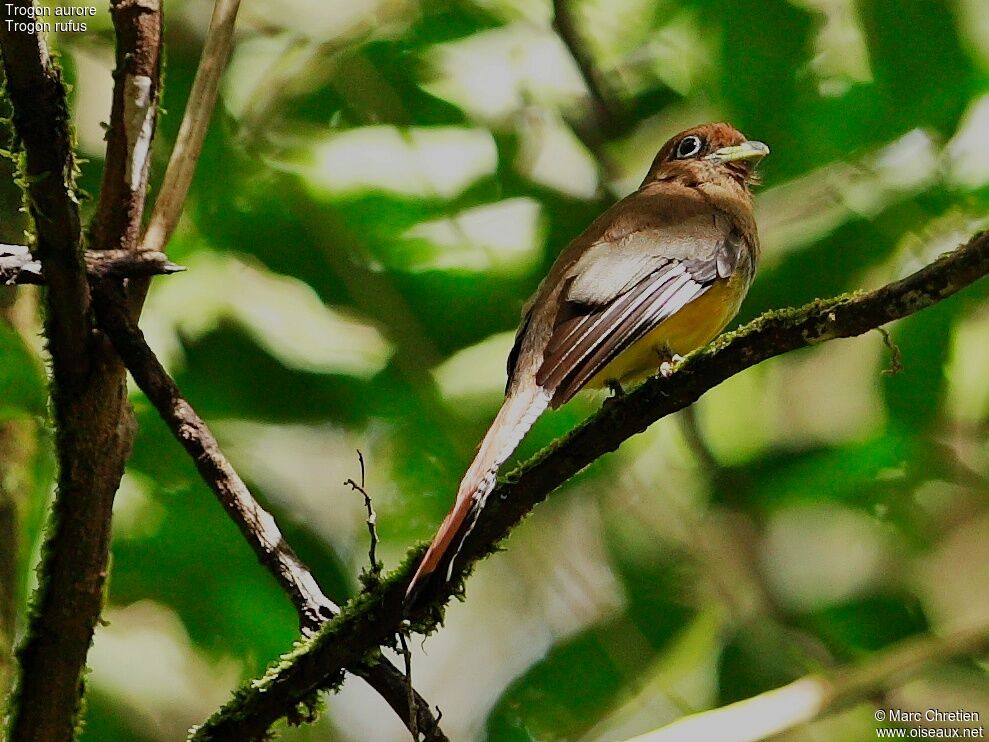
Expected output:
{"points": [[94, 425]]}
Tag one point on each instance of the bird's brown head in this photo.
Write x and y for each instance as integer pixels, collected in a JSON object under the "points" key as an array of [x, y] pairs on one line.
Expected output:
{"points": [[705, 153]]}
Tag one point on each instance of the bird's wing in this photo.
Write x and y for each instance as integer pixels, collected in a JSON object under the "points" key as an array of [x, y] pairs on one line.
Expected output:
{"points": [[618, 291]]}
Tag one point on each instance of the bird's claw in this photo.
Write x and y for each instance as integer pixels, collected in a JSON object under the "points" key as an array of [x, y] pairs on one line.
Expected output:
{"points": [[667, 367]]}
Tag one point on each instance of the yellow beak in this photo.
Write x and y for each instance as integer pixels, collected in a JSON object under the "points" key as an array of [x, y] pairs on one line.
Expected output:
{"points": [[744, 151]]}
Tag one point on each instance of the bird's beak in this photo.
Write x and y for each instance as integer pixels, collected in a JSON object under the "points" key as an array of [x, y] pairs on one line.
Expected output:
{"points": [[744, 151]]}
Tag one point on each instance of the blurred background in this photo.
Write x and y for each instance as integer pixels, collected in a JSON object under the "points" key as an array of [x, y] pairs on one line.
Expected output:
{"points": [[384, 183]]}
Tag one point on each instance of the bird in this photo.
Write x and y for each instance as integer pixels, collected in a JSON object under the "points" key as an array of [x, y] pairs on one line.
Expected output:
{"points": [[657, 275]]}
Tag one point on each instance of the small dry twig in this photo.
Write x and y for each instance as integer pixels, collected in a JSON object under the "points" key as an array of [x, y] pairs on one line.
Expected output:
{"points": [[372, 518], [896, 356], [690, 426], [407, 654]]}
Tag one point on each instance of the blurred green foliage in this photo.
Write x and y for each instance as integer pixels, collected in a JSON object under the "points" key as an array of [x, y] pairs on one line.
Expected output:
{"points": [[384, 184]]}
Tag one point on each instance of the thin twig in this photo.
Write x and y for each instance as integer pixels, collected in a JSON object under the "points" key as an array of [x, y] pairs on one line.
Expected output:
{"points": [[690, 426], [372, 519], [407, 654], [374, 618], [393, 686], [199, 110], [256, 524], [895, 356], [129, 264], [804, 700]]}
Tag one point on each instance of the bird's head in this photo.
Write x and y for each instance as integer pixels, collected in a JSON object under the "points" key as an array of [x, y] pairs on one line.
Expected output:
{"points": [[710, 152]]}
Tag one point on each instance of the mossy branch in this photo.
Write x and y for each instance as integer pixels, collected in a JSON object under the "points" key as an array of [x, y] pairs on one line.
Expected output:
{"points": [[373, 618], [47, 170]]}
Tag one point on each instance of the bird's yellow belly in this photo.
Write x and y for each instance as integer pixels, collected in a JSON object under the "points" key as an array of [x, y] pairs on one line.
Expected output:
{"points": [[696, 324]]}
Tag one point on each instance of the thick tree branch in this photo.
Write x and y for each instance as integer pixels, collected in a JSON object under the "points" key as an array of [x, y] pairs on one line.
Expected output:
{"points": [[199, 110], [116, 224], [41, 121], [373, 618], [19, 266], [117, 221], [94, 422], [256, 524], [804, 700]]}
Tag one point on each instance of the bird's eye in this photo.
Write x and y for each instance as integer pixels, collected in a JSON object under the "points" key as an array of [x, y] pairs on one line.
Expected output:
{"points": [[688, 147]]}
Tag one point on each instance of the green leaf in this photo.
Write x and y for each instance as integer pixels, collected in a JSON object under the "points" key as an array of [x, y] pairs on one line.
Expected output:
{"points": [[761, 72], [554, 701], [867, 624], [918, 62], [584, 678], [763, 655], [22, 382], [915, 395], [847, 474]]}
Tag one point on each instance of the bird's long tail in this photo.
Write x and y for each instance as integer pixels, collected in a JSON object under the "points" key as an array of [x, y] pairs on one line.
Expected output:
{"points": [[519, 411]]}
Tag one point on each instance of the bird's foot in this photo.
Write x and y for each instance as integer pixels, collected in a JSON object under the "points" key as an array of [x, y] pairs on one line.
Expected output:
{"points": [[667, 367]]}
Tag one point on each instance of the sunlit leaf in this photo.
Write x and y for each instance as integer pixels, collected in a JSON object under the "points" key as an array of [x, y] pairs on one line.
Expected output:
{"points": [[22, 382]]}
